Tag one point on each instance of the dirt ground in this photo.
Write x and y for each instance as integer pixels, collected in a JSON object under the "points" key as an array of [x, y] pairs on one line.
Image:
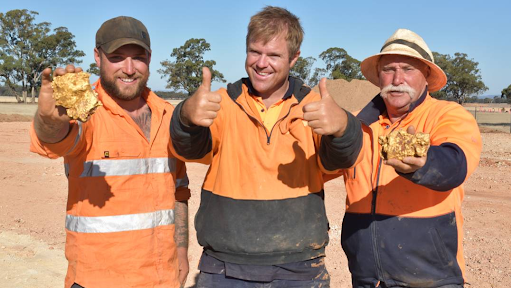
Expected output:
{"points": [[34, 192]]}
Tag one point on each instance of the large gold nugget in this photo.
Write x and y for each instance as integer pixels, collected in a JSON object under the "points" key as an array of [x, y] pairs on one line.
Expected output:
{"points": [[399, 144], [74, 92]]}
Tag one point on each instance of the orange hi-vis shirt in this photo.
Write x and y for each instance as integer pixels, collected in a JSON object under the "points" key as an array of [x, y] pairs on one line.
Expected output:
{"points": [[121, 197]]}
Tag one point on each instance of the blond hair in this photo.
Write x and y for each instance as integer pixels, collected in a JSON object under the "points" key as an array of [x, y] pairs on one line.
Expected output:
{"points": [[273, 21]]}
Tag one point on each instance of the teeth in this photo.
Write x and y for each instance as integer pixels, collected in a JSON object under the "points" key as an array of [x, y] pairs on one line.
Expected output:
{"points": [[262, 73], [127, 80]]}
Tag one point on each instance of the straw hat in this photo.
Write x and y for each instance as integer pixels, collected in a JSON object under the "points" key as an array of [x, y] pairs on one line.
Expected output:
{"points": [[407, 43]]}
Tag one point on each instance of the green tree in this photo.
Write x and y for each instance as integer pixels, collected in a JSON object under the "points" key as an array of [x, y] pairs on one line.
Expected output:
{"points": [[340, 64], [27, 48], [316, 76], [186, 71], [55, 49], [93, 69], [463, 77], [506, 93], [302, 69]]}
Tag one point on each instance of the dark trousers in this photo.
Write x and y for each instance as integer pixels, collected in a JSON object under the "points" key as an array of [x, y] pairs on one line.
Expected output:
{"points": [[382, 285], [207, 280]]}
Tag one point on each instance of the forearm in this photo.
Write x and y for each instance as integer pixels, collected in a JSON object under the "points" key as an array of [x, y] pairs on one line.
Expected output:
{"points": [[181, 239], [342, 152], [181, 224], [445, 169], [50, 131]]}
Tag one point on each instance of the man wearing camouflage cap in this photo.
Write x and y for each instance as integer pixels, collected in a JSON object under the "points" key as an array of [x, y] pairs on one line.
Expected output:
{"points": [[127, 215]]}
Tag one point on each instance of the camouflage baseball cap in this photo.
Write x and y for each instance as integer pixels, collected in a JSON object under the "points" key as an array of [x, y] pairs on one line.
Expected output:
{"points": [[120, 31]]}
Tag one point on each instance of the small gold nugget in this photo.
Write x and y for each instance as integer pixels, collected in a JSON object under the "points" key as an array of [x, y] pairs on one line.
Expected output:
{"points": [[74, 92], [399, 144]]}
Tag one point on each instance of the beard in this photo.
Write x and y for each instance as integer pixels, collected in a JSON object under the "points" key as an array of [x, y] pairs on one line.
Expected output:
{"points": [[109, 84], [401, 88]]}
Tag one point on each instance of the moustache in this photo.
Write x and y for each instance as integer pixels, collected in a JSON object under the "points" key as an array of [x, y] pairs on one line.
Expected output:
{"points": [[401, 88]]}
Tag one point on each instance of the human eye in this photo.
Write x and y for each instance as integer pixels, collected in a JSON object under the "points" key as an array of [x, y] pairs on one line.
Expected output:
{"points": [[115, 58], [253, 52], [387, 69], [409, 68]]}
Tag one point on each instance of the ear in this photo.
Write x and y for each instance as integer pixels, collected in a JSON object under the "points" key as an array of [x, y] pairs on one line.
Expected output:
{"points": [[428, 72], [294, 59], [97, 57]]}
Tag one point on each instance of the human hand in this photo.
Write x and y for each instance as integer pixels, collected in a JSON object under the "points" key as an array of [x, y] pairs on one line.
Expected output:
{"points": [[51, 122], [325, 117], [408, 164], [47, 109], [183, 265], [202, 107]]}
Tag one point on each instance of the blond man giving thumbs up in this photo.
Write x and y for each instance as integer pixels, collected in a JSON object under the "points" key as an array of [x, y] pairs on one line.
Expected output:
{"points": [[268, 140]]}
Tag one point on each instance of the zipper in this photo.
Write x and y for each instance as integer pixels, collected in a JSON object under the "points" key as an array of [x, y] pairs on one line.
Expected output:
{"points": [[279, 120], [377, 259], [379, 269], [374, 222], [268, 136]]}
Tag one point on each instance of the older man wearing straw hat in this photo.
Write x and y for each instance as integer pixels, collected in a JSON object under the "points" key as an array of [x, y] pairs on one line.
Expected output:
{"points": [[403, 222]]}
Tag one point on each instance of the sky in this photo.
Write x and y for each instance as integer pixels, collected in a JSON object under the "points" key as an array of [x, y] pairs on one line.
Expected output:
{"points": [[480, 29]]}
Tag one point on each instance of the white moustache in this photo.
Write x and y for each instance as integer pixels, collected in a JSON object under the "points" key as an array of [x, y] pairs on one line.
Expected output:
{"points": [[401, 88]]}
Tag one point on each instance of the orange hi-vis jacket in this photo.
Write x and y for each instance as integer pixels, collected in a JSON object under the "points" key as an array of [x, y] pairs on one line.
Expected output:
{"points": [[405, 230], [262, 199], [122, 192]]}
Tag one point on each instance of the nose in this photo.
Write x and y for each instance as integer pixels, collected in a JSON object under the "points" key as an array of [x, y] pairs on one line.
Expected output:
{"points": [[262, 61], [398, 77], [128, 67]]}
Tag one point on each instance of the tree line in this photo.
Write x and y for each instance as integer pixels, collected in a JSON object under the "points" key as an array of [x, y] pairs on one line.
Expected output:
{"points": [[27, 48]]}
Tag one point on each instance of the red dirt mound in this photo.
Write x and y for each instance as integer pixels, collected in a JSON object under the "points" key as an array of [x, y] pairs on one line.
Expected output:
{"points": [[353, 95]]}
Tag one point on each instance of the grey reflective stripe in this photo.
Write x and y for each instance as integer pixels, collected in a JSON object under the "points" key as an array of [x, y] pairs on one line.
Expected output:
{"points": [[123, 167], [77, 138], [182, 182], [119, 223]]}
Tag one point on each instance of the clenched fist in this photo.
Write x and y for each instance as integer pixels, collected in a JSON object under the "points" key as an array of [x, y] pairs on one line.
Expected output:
{"points": [[201, 109], [325, 117]]}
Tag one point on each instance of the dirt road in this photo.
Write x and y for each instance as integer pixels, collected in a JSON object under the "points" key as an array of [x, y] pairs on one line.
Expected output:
{"points": [[33, 196]]}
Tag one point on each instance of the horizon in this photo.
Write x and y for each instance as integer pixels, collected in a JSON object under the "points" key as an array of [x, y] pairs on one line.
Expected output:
{"points": [[332, 24]]}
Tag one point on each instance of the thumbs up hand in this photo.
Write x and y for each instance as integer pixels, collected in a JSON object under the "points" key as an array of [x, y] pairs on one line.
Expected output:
{"points": [[202, 107], [325, 117]]}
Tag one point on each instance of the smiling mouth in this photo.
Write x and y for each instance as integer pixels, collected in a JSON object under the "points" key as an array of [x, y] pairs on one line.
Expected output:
{"points": [[127, 80], [263, 73]]}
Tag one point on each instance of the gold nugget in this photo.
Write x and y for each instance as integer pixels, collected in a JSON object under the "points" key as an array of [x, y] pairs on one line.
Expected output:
{"points": [[74, 92], [399, 144]]}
